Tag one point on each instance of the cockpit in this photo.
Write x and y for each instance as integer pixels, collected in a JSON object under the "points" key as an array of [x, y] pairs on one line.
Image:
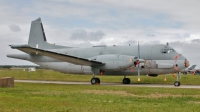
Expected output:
{"points": [[166, 50]]}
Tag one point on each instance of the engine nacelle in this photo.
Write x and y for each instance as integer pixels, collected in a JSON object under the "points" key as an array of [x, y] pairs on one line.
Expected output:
{"points": [[114, 62]]}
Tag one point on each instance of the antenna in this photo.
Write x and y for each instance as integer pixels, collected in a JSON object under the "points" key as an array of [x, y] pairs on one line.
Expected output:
{"points": [[138, 50]]}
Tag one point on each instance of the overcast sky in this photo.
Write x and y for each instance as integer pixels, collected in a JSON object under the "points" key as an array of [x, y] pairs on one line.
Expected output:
{"points": [[84, 23]]}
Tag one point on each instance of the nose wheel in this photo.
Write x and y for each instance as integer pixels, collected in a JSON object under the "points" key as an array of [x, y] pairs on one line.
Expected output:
{"points": [[177, 83], [95, 81]]}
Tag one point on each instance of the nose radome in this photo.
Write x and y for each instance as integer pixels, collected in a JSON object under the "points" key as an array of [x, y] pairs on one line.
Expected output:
{"points": [[187, 64]]}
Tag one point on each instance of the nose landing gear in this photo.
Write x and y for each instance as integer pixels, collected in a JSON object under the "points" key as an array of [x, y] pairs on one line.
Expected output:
{"points": [[177, 82], [95, 81]]}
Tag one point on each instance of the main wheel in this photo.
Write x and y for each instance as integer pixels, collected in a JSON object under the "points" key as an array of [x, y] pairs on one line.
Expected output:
{"points": [[177, 83], [126, 81]]}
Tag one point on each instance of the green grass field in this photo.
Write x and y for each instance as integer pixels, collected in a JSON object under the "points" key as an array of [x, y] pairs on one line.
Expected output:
{"points": [[57, 76], [26, 97], [30, 97]]}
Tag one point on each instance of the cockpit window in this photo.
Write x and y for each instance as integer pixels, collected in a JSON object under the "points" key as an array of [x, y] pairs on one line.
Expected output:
{"points": [[167, 50]]}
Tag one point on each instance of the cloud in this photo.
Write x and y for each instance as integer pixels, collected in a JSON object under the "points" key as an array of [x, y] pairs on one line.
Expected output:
{"points": [[103, 22], [131, 42], [14, 28], [81, 34], [96, 35], [196, 40]]}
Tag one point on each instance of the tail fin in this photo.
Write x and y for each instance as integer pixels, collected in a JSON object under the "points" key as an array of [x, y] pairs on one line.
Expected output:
{"points": [[192, 67], [37, 36]]}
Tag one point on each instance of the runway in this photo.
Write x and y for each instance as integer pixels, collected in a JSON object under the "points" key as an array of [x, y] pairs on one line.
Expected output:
{"points": [[110, 84]]}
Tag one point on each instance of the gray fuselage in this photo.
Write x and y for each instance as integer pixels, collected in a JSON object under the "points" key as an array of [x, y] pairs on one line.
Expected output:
{"points": [[159, 59]]}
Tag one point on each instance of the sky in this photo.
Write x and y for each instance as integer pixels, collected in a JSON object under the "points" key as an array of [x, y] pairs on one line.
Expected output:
{"points": [[85, 23]]}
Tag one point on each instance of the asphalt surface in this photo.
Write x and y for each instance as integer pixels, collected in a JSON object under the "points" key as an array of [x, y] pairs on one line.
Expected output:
{"points": [[110, 84]]}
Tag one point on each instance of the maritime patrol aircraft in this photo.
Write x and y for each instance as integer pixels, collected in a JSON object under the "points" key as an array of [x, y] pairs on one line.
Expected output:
{"points": [[100, 60]]}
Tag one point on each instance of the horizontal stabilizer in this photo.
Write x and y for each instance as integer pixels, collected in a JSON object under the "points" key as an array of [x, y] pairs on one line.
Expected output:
{"points": [[60, 56], [192, 67]]}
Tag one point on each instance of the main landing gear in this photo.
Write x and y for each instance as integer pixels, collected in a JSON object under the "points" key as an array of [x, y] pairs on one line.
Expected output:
{"points": [[126, 80], [95, 80]]}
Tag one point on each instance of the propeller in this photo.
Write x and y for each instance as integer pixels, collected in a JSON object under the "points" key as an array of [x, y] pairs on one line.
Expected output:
{"points": [[138, 62], [165, 79]]}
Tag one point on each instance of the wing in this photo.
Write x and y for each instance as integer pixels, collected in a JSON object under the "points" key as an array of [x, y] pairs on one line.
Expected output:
{"points": [[60, 56]]}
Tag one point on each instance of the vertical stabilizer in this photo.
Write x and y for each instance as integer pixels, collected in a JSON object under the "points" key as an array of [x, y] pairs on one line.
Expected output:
{"points": [[37, 38]]}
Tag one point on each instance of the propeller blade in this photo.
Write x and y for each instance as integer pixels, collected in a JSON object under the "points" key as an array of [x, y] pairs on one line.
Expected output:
{"points": [[139, 72], [138, 50], [165, 79], [138, 62], [138, 79]]}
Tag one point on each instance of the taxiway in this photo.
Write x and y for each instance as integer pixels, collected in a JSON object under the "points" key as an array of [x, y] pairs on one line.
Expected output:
{"points": [[110, 84]]}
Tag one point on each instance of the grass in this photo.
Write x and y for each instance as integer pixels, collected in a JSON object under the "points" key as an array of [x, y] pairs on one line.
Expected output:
{"points": [[88, 98], [57, 76], [31, 97]]}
